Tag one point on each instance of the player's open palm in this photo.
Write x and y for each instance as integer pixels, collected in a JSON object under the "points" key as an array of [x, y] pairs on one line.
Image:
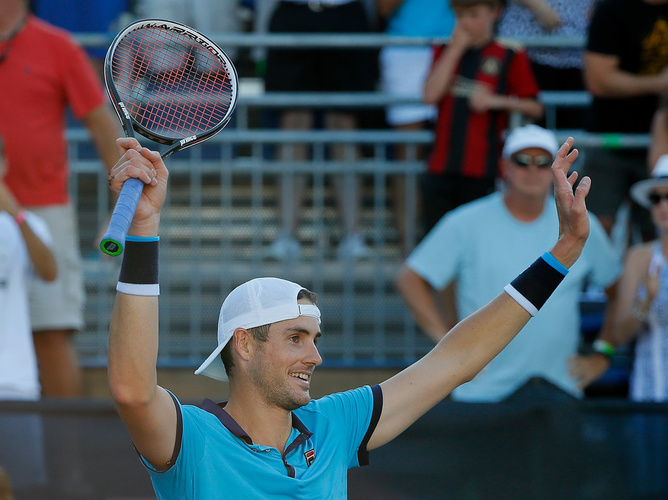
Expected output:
{"points": [[147, 166], [573, 216]]}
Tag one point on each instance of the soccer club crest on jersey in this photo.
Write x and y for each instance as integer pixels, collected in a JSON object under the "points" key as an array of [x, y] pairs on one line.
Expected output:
{"points": [[491, 66], [310, 457]]}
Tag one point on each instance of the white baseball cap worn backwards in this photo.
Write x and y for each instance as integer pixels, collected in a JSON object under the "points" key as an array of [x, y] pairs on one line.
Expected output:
{"points": [[530, 136], [257, 302]]}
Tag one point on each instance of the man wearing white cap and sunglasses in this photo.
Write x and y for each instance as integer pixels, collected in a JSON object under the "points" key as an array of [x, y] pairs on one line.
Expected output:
{"points": [[482, 245], [270, 440]]}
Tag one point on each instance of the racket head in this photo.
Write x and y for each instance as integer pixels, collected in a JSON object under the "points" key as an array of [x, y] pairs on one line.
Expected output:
{"points": [[170, 83]]}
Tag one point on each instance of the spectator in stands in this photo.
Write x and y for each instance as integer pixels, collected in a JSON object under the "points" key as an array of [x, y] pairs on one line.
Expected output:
{"points": [[641, 318], [270, 440], [42, 72], [483, 244], [211, 17], [555, 68], [476, 81], [25, 249], [319, 70], [403, 72], [626, 69], [84, 16], [658, 144], [642, 308]]}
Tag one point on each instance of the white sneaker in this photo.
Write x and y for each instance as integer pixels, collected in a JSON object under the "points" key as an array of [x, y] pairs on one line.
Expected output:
{"points": [[285, 247], [353, 247]]}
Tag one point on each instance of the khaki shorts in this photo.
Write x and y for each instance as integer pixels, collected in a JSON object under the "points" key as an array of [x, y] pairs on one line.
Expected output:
{"points": [[58, 305]]}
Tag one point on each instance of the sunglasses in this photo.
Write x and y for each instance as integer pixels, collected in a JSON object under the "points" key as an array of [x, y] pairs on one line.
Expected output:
{"points": [[655, 198], [524, 160]]}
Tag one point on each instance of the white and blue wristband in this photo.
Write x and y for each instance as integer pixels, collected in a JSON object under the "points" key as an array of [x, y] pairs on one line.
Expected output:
{"points": [[139, 270], [533, 287]]}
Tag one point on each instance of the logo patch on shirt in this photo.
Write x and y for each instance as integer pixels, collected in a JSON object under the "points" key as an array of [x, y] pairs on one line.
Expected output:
{"points": [[491, 66], [310, 457]]}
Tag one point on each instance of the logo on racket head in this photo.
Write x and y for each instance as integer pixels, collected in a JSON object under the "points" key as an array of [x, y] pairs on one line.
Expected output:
{"points": [[204, 42]]}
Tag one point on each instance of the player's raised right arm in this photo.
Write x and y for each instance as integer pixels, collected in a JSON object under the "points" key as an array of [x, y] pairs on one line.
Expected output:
{"points": [[146, 409]]}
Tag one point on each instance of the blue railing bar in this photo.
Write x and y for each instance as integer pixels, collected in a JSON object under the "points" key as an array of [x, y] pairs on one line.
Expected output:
{"points": [[272, 136], [352, 40], [380, 99]]}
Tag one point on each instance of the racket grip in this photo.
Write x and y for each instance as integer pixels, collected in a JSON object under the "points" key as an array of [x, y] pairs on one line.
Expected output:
{"points": [[113, 240]]}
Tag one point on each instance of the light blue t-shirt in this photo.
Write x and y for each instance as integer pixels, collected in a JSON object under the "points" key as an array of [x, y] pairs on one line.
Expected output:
{"points": [[483, 247], [217, 459], [428, 18]]}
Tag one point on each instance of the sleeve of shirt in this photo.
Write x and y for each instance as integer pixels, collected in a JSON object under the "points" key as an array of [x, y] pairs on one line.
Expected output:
{"points": [[188, 450], [521, 80], [606, 265], [355, 414], [82, 85], [437, 258], [602, 36]]}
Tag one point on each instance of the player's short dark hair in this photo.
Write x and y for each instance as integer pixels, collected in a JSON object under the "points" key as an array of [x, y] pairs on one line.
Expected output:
{"points": [[259, 333]]}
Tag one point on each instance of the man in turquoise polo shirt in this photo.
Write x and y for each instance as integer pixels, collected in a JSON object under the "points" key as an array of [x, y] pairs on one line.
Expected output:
{"points": [[270, 440]]}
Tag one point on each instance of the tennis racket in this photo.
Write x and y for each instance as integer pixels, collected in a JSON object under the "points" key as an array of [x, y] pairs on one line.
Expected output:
{"points": [[170, 84]]}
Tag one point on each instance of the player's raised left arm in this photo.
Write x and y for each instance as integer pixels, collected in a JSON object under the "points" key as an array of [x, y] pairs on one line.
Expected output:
{"points": [[476, 340]]}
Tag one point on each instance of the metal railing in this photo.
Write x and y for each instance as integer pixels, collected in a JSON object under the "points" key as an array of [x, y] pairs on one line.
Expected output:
{"points": [[222, 214]]}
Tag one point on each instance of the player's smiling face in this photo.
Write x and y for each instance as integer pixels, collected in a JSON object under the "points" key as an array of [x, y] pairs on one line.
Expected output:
{"points": [[282, 366]]}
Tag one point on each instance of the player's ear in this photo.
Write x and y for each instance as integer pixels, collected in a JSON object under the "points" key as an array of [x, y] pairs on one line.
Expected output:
{"points": [[243, 344]]}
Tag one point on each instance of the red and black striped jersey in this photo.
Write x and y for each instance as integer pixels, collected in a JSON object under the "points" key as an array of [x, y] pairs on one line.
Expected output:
{"points": [[468, 143]]}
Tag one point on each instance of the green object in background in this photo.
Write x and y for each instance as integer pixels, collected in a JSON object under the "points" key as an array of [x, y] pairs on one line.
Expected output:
{"points": [[612, 141]]}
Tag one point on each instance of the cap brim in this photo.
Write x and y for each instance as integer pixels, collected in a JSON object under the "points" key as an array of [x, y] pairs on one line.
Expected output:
{"points": [[640, 190], [213, 366]]}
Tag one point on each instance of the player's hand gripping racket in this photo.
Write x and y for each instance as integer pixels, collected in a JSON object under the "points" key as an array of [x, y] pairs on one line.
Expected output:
{"points": [[172, 85]]}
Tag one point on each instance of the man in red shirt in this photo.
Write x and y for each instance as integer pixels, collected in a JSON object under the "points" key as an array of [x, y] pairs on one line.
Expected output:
{"points": [[43, 72], [476, 81]]}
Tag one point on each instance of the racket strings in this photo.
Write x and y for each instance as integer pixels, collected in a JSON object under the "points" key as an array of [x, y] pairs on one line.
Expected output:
{"points": [[170, 84]]}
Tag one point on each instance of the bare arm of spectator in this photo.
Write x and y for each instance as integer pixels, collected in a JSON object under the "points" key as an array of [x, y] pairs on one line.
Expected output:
{"points": [[627, 318], [543, 12], [588, 368], [604, 78], [418, 295], [658, 137], [483, 100], [442, 75], [104, 130], [40, 254]]}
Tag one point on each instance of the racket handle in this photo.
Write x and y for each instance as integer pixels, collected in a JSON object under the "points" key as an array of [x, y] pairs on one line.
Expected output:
{"points": [[113, 240]]}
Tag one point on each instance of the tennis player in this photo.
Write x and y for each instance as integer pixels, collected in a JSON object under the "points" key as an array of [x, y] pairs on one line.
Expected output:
{"points": [[270, 440]]}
